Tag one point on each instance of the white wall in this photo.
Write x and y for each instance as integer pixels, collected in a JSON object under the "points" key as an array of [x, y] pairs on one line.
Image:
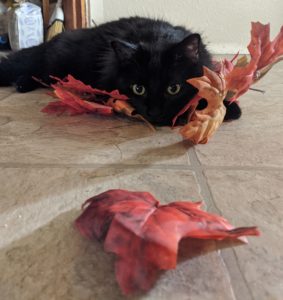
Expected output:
{"points": [[225, 24]]}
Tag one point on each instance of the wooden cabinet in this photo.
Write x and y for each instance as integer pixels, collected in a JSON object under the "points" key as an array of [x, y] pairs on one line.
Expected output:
{"points": [[45, 11], [74, 11]]}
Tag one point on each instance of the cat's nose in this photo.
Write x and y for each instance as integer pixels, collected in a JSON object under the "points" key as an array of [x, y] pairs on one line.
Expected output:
{"points": [[153, 112]]}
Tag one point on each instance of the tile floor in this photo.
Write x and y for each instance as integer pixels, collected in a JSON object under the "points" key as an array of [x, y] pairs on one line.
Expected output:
{"points": [[50, 165]]}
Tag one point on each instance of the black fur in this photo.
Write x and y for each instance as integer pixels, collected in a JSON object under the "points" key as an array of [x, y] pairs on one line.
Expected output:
{"points": [[148, 54]]}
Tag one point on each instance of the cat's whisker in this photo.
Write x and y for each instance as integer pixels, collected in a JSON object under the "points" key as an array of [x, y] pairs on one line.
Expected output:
{"points": [[140, 117], [257, 90]]}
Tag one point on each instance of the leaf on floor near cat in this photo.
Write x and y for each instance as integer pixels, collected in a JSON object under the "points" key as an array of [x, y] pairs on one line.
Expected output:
{"points": [[263, 55], [76, 86], [202, 124], [77, 98], [236, 79], [145, 235]]}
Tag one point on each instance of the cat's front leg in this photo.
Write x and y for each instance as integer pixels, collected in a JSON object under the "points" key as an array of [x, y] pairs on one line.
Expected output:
{"points": [[233, 111], [26, 84]]}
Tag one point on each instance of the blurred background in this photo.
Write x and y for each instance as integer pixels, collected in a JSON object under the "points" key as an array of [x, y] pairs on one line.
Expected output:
{"points": [[225, 25]]}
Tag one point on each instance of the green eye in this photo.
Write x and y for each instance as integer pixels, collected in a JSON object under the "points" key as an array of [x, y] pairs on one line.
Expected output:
{"points": [[138, 89], [173, 89]]}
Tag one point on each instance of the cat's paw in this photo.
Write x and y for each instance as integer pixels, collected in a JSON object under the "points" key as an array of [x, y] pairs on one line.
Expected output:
{"points": [[233, 111], [25, 84]]}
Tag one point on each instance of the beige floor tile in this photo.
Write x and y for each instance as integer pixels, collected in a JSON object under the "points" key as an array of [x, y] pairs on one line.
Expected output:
{"points": [[5, 92], [43, 257], [253, 198], [29, 136]]}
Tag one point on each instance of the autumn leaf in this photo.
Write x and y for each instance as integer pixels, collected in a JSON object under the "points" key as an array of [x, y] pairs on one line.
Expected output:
{"points": [[270, 51], [77, 98], [203, 123], [72, 84], [263, 55], [145, 235], [74, 105]]}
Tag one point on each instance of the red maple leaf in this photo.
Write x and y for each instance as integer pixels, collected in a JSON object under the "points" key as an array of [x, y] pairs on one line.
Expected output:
{"points": [[270, 51], [78, 86], [145, 235], [264, 54], [73, 104], [78, 98]]}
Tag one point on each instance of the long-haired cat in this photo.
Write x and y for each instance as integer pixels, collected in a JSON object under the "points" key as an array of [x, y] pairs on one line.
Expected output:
{"points": [[148, 60]]}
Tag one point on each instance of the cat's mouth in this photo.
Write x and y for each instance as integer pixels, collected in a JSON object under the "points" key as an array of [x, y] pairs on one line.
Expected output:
{"points": [[181, 120], [153, 121], [162, 121], [156, 121]]}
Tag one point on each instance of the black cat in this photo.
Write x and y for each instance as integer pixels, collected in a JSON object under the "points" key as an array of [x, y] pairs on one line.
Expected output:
{"points": [[148, 60]]}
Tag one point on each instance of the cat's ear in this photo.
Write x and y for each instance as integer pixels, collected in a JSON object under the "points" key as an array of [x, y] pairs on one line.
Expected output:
{"points": [[124, 50], [189, 47]]}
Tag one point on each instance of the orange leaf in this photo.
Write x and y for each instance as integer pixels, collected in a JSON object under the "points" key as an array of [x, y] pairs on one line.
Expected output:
{"points": [[202, 124], [121, 106]]}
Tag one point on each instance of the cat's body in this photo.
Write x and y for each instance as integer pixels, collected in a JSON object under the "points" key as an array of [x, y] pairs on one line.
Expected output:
{"points": [[148, 60]]}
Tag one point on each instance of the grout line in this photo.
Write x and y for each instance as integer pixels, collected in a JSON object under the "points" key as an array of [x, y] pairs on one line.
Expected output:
{"points": [[231, 261], [242, 168], [5, 96], [202, 181], [229, 276], [207, 195], [94, 165], [195, 166]]}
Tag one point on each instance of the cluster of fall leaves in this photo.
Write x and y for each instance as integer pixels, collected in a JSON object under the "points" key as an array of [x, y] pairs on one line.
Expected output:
{"points": [[229, 80]]}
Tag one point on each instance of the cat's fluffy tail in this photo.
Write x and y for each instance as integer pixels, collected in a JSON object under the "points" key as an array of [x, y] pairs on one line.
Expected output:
{"points": [[7, 71], [21, 65]]}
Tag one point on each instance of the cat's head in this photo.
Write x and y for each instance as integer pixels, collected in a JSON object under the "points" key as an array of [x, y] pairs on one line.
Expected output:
{"points": [[154, 76]]}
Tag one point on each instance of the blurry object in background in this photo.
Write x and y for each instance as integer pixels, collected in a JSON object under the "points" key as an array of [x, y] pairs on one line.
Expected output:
{"points": [[8, 3], [4, 39], [36, 2], [25, 26], [75, 14], [4, 42], [3, 18], [56, 23], [45, 13], [3, 8]]}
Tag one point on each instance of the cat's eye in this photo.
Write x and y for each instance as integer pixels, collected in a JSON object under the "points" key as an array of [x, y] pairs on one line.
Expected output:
{"points": [[138, 89], [173, 89]]}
